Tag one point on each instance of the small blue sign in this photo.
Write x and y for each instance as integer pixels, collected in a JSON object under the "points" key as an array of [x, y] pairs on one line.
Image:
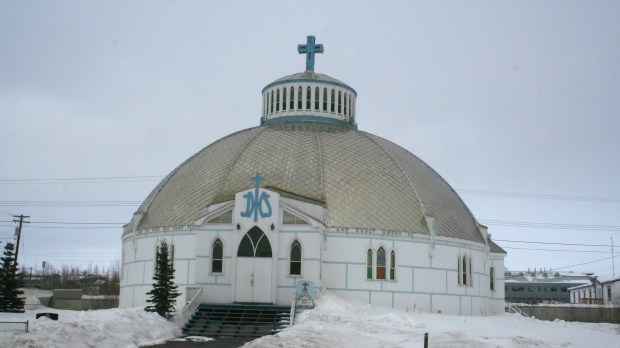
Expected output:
{"points": [[306, 286], [306, 292], [254, 202]]}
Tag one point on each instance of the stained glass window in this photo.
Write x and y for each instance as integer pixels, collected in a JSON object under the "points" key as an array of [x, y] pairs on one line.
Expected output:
{"points": [[381, 263]]}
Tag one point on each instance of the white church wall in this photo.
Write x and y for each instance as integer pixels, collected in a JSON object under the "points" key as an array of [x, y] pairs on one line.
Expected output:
{"points": [[433, 281], [466, 305], [429, 280], [412, 302], [445, 256], [335, 275], [403, 280], [497, 296], [446, 304], [382, 299], [356, 296], [479, 305]]}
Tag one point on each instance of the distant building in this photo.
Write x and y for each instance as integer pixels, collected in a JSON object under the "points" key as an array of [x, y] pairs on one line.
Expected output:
{"points": [[542, 286], [598, 291]]}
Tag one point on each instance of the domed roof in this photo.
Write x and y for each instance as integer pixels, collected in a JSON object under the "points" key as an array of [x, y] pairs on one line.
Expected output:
{"points": [[363, 180], [309, 76]]}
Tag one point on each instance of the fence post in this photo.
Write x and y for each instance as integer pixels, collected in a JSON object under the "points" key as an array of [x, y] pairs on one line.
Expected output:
{"points": [[426, 340]]}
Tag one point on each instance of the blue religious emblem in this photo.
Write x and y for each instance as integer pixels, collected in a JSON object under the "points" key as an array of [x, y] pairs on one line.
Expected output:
{"points": [[310, 49], [254, 202]]}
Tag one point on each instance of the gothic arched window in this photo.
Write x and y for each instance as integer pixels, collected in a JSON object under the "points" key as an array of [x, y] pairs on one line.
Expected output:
{"points": [[369, 264], [492, 279], [381, 263], [316, 98], [277, 100], [299, 95], [339, 101], [308, 98], [464, 269], [283, 99], [254, 244], [333, 100], [345, 104], [217, 256], [324, 99], [271, 103], [295, 266], [392, 265], [292, 99]]}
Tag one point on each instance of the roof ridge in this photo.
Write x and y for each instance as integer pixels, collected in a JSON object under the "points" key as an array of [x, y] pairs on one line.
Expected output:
{"points": [[400, 168], [322, 168], [234, 163]]}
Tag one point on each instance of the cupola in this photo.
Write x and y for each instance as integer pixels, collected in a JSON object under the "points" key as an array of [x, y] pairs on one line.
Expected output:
{"points": [[309, 96]]}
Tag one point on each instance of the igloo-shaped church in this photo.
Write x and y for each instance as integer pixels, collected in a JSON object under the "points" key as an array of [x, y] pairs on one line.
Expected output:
{"points": [[307, 197]]}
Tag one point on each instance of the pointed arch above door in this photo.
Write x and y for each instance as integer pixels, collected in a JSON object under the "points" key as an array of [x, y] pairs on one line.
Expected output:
{"points": [[254, 244]]}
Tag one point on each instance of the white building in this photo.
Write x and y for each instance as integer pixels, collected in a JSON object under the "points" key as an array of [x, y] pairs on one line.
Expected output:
{"points": [[599, 291], [306, 196]]}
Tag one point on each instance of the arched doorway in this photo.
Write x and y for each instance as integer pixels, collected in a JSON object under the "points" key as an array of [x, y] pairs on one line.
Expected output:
{"points": [[254, 262]]}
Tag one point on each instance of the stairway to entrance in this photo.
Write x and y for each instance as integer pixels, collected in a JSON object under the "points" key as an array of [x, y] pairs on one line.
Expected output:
{"points": [[237, 320]]}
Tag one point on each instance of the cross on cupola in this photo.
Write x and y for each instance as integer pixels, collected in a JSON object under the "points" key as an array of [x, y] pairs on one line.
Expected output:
{"points": [[310, 49]]}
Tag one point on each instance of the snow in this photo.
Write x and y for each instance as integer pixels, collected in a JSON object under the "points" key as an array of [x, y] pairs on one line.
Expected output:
{"points": [[338, 323], [334, 323]]}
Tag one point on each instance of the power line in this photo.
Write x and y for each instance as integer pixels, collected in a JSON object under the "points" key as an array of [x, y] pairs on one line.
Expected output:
{"points": [[564, 250], [540, 196], [77, 223], [6, 212], [84, 180], [71, 223], [72, 204], [552, 243], [530, 224], [71, 227], [585, 263]]}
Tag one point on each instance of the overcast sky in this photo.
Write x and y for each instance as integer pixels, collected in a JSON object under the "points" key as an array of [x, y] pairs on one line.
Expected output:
{"points": [[519, 99]]}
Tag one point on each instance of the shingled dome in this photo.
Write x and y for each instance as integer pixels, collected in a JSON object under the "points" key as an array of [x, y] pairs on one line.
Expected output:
{"points": [[363, 180]]}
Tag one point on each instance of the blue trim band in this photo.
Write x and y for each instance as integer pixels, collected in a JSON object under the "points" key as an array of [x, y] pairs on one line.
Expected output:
{"points": [[307, 118]]}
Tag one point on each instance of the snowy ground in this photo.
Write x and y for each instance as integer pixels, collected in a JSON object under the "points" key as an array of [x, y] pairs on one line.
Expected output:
{"points": [[334, 323]]}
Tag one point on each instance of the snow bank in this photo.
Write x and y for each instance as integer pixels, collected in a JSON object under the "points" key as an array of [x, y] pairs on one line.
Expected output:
{"points": [[334, 323], [338, 323], [98, 328]]}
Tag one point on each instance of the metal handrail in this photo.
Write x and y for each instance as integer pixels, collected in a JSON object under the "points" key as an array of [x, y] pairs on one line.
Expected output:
{"points": [[292, 314], [514, 309], [183, 315], [17, 322]]}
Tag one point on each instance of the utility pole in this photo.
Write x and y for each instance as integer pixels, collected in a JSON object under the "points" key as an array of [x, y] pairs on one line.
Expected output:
{"points": [[613, 264], [19, 230]]}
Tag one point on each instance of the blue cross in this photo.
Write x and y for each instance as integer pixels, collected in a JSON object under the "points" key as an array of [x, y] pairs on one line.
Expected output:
{"points": [[257, 180], [310, 49]]}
